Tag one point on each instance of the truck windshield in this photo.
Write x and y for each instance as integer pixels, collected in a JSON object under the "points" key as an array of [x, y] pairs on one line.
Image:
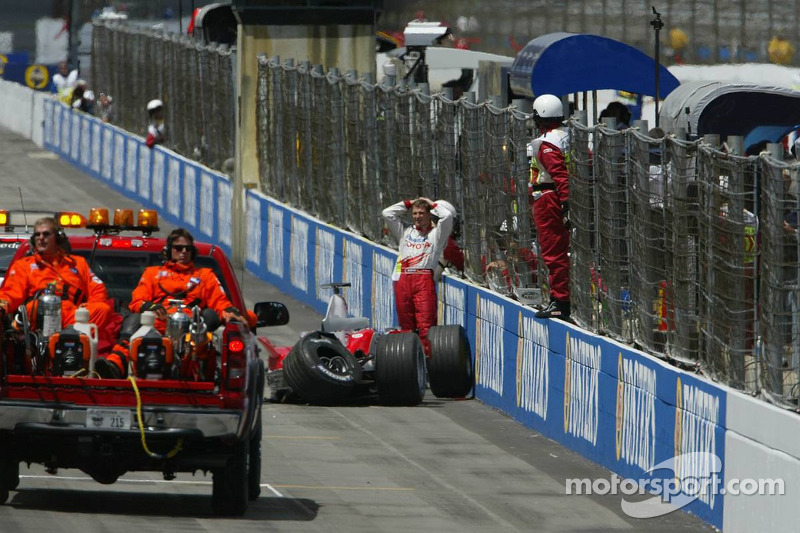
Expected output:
{"points": [[120, 271]]}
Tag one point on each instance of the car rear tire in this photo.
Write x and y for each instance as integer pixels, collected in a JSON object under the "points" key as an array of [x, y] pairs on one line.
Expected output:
{"points": [[400, 369], [450, 366], [320, 370], [230, 483]]}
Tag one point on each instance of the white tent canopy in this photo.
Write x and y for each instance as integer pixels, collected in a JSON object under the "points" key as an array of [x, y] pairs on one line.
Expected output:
{"points": [[755, 112]]}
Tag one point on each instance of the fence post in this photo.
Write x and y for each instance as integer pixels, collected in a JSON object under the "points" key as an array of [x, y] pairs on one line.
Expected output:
{"points": [[775, 377], [711, 139], [735, 144]]}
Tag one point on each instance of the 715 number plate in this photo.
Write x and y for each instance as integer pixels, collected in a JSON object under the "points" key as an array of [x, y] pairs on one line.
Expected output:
{"points": [[108, 418]]}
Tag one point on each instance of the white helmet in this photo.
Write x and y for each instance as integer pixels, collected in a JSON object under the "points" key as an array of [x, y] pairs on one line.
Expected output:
{"points": [[152, 105], [548, 108]]}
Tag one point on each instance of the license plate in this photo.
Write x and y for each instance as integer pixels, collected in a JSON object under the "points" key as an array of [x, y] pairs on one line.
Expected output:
{"points": [[108, 418]]}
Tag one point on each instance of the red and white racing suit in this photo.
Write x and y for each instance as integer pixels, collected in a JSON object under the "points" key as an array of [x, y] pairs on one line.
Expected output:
{"points": [[420, 252], [550, 189]]}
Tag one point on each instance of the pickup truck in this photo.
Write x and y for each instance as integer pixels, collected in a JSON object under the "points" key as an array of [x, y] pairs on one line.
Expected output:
{"points": [[107, 427]]}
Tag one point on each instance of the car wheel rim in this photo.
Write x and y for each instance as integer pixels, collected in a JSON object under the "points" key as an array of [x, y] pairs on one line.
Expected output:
{"points": [[338, 365]]}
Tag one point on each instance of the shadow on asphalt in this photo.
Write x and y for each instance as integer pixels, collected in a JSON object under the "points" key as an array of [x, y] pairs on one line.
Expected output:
{"points": [[151, 504]]}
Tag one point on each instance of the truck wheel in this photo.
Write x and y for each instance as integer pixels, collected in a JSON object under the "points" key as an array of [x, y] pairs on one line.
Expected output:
{"points": [[450, 365], [229, 487], [9, 477], [12, 475], [254, 469], [320, 369], [400, 369]]}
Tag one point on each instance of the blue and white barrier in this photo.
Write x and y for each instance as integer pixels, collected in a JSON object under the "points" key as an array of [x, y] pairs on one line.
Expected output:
{"points": [[184, 192], [635, 415]]}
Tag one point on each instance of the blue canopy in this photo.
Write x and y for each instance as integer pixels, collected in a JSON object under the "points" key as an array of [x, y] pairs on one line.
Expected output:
{"points": [[564, 63]]}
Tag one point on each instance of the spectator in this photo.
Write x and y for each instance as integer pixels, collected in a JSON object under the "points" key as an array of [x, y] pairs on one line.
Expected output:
{"points": [[780, 50], [82, 98], [155, 130], [421, 246], [550, 190], [619, 112], [678, 40], [64, 81], [105, 107]]}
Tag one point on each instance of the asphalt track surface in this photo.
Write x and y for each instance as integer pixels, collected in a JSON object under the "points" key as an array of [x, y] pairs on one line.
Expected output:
{"points": [[443, 466]]}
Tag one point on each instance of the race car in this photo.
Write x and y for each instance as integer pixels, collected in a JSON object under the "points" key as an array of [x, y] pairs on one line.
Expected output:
{"points": [[347, 360]]}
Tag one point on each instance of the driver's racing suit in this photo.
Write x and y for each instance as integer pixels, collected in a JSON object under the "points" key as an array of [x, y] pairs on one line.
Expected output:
{"points": [[419, 255]]}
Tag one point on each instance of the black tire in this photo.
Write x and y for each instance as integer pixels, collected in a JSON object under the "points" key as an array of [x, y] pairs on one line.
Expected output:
{"points": [[320, 369], [400, 369], [450, 366], [254, 469], [12, 475], [9, 477], [230, 483]]}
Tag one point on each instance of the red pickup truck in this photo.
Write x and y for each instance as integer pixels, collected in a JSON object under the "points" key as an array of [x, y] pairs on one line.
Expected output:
{"points": [[107, 427]]}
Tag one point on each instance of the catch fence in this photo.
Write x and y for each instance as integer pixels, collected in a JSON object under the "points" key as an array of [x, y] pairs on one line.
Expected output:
{"points": [[685, 250], [194, 81]]}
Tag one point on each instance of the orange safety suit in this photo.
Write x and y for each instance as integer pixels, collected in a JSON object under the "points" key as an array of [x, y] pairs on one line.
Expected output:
{"points": [[176, 281], [74, 281]]}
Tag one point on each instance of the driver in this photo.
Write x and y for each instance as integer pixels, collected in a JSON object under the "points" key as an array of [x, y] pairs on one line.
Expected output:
{"points": [[74, 282], [177, 279], [421, 245]]}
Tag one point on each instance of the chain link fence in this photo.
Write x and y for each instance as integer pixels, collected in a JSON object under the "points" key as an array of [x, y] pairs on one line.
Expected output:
{"points": [[682, 249], [194, 81]]}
